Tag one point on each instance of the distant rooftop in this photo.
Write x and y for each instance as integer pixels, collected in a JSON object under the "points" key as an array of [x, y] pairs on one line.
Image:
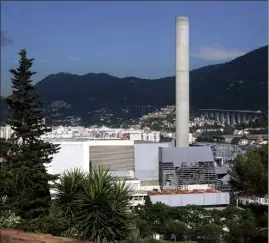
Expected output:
{"points": [[189, 155], [176, 192], [221, 170], [83, 139], [165, 140], [143, 141]]}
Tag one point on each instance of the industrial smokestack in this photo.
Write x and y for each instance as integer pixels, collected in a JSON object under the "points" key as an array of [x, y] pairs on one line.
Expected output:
{"points": [[182, 81]]}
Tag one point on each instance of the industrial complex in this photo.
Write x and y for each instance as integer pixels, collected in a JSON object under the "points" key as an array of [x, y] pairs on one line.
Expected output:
{"points": [[172, 171]]}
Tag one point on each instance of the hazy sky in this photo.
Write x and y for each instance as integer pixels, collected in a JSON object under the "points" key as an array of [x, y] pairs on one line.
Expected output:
{"points": [[126, 38]]}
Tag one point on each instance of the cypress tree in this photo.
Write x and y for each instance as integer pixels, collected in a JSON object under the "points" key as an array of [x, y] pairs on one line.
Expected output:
{"points": [[29, 191]]}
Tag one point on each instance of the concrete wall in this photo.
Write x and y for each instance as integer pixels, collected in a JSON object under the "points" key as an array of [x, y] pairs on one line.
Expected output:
{"points": [[76, 154], [202, 199], [147, 161], [71, 155], [186, 154], [123, 173], [116, 157]]}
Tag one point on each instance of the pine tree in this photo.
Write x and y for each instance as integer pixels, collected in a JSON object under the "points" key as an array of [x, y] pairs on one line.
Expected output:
{"points": [[29, 193]]}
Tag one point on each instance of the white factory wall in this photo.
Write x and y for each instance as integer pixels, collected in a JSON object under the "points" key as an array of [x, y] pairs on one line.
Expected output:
{"points": [[76, 154], [123, 173], [150, 188], [202, 199], [118, 157], [147, 161], [135, 185], [71, 155]]}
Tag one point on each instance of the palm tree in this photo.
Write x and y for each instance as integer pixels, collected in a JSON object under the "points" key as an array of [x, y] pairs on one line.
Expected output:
{"points": [[95, 204], [68, 189]]}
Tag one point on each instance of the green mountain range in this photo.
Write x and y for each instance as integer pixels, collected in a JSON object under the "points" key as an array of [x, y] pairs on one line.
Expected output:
{"points": [[239, 84]]}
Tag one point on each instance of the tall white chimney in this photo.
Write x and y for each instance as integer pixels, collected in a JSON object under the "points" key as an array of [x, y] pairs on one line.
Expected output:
{"points": [[182, 81]]}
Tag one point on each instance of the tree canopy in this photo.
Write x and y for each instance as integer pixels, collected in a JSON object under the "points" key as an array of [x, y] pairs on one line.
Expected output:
{"points": [[28, 188], [95, 204], [250, 172]]}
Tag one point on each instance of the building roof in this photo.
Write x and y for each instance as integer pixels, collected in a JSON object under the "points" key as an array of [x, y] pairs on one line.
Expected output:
{"points": [[256, 136], [92, 142], [165, 140], [221, 170], [176, 192], [18, 236], [142, 141], [189, 155]]}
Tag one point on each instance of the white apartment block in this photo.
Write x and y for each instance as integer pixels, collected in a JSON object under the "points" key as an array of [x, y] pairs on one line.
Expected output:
{"points": [[102, 133], [6, 132], [146, 136], [254, 200]]}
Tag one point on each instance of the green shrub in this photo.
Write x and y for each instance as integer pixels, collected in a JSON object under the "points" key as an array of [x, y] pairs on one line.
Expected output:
{"points": [[8, 219]]}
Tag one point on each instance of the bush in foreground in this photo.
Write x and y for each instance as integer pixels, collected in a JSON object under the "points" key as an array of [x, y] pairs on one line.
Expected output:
{"points": [[94, 204]]}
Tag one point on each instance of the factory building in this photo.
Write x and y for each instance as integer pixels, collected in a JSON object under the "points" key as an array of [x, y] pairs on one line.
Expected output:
{"points": [[224, 154], [146, 167], [125, 158], [209, 198], [118, 155], [156, 165], [186, 168], [147, 161]]}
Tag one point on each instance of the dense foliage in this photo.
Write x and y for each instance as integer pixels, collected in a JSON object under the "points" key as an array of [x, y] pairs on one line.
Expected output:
{"points": [[197, 224], [3, 182], [94, 204], [250, 173], [27, 181]]}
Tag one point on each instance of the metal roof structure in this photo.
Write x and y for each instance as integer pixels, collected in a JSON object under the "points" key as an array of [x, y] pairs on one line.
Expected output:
{"points": [[188, 155], [181, 166], [165, 140]]}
